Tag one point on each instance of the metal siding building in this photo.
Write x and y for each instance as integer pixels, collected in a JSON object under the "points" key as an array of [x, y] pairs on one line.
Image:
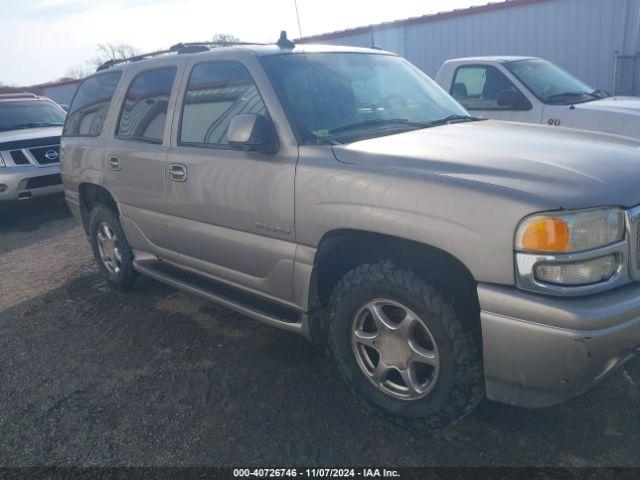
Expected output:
{"points": [[581, 36]]}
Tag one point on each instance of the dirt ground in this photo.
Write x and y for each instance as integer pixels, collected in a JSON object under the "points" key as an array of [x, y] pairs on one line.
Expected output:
{"points": [[91, 376]]}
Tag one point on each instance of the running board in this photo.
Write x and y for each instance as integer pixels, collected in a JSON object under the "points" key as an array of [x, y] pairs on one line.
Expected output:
{"points": [[245, 303]]}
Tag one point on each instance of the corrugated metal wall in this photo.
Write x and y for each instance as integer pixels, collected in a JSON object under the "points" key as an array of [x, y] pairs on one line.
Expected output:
{"points": [[579, 35]]}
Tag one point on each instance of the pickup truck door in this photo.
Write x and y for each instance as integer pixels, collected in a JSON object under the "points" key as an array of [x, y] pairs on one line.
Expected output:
{"points": [[490, 91], [232, 211]]}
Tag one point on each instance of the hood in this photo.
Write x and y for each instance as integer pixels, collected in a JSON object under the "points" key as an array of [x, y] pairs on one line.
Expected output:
{"points": [[12, 136], [565, 168], [626, 105], [615, 115]]}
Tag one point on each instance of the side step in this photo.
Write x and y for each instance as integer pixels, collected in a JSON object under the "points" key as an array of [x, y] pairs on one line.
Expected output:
{"points": [[245, 303]]}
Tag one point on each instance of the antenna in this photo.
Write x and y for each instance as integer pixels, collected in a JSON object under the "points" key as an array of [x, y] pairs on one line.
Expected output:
{"points": [[284, 42]]}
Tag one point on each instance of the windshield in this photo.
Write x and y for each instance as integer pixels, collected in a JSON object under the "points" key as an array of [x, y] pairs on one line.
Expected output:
{"points": [[343, 97], [550, 83], [29, 114]]}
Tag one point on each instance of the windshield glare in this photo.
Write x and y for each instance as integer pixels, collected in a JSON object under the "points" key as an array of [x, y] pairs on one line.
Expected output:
{"points": [[22, 114], [550, 83], [326, 91]]}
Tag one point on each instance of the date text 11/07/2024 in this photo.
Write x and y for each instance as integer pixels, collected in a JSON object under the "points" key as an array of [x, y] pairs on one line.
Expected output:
{"points": [[316, 473]]}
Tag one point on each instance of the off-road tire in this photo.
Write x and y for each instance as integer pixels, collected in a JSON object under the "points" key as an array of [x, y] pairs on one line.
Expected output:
{"points": [[460, 383], [126, 277]]}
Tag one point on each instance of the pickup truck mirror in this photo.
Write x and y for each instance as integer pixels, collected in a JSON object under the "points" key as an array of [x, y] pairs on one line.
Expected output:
{"points": [[252, 133], [514, 100]]}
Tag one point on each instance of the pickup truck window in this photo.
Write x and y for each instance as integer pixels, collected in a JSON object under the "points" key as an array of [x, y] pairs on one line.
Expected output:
{"points": [[144, 111], [477, 87], [217, 92], [344, 97], [90, 104], [29, 114], [551, 84]]}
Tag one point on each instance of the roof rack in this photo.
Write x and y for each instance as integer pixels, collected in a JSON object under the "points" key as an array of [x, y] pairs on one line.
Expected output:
{"points": [[18, 95], [178, 48]]}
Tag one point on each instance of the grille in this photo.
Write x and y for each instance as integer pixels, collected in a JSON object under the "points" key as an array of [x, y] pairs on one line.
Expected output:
{"points": [[634, 241], [46, 155], [44, 181], [19, 158]]}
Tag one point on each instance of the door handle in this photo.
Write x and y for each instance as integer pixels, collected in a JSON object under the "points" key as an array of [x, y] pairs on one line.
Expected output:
{"points": [[177, 172], [113, 163]]}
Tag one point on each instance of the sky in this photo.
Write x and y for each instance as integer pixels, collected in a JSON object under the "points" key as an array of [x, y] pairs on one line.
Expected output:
{"points": [[43, 40]]}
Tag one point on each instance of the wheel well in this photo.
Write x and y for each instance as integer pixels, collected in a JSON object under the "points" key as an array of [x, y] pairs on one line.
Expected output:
{"points": [[341, 251], [90, 196]]}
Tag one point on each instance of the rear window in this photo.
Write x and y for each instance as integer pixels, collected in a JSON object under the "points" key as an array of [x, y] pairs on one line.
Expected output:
{"points": [[90, 104], [144, 111]]}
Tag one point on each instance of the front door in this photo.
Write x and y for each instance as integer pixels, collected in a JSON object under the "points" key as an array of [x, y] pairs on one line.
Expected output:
{"points": [[482, 89], [232, 211]]}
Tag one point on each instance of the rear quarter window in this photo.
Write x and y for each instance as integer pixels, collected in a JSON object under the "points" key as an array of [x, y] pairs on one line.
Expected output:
{"points": [[90, 104]]}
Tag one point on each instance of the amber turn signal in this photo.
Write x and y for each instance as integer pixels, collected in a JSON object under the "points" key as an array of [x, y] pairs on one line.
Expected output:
{"points": [[546, 234]]}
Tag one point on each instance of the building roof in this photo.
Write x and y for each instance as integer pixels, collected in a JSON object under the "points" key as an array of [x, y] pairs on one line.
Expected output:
{"points": [[493, 58], [435, 17]]}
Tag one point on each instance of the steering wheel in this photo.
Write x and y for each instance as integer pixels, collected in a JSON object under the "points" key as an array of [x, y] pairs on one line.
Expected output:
{"points": [[393, 101]]}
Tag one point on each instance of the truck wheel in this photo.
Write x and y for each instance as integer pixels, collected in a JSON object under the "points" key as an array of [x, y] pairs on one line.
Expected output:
{"points": [[400, 345], [110, 248]]}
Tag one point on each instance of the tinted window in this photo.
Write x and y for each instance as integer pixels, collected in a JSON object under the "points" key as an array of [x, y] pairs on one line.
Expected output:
{"points": [[144, 110], [217, 92], [478, 87], [90, 104], [29, 114]]}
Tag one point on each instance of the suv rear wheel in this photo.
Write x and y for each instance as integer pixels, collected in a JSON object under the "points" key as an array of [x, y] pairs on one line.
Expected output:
{"points": [[399, 343], [110, 248]]}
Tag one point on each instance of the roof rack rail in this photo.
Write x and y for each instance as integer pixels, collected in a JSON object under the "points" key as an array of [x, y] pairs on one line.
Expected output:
{"points": [[178, 48], [19, 95]]}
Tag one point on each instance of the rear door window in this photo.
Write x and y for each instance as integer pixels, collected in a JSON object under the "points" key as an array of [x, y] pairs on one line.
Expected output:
{"points": [[144, 111], [90, 104], [217, 92], [477, 87]]}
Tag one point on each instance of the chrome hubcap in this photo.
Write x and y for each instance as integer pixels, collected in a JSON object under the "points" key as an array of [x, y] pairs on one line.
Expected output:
{"points": [[109, 249], [395, 349]]}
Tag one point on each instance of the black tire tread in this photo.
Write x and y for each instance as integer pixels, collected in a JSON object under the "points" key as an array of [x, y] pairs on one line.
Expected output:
{"points": [[469, 386], [102, 212]]}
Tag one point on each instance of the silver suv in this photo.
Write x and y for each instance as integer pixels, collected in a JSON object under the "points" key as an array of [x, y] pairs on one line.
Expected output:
{"points": [[339, 193], [30, 128]]}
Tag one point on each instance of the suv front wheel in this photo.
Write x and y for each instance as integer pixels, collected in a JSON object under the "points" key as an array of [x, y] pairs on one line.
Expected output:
{"points": [[110, 248], [399, 343]]}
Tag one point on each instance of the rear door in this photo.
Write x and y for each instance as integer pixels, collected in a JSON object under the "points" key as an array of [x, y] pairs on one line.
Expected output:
{"points": [[134, 163], [232, 211], [477, 88]]}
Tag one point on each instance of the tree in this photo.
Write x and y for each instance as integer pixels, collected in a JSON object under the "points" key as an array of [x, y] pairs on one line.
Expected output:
{"points": [[224, 38], [77, 73], [113, 51]]}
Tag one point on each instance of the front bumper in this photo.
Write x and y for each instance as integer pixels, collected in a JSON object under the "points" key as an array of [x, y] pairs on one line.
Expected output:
{"points": [[540, 350], [22, 183]]}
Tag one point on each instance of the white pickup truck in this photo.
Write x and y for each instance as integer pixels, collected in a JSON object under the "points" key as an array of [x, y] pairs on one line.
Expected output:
{"points": [[533, 90]]}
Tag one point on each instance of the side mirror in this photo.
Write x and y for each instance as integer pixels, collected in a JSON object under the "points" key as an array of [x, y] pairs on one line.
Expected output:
{"points": [[514, 100], [252, 133]]}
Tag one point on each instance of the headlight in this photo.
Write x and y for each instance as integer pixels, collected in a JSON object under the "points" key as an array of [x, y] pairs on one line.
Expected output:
{"points": [[566, 232]]}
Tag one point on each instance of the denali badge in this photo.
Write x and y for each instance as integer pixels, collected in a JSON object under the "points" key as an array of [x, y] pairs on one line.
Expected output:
{"points": [[273, 228]]}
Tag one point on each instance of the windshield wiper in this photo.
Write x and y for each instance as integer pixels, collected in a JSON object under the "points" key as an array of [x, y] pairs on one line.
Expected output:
{"points": [[452, 119], [567, 95], [377, 121]]}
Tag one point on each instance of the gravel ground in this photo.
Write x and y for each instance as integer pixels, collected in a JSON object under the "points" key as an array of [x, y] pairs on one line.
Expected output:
{"points": [[91, 376]]}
